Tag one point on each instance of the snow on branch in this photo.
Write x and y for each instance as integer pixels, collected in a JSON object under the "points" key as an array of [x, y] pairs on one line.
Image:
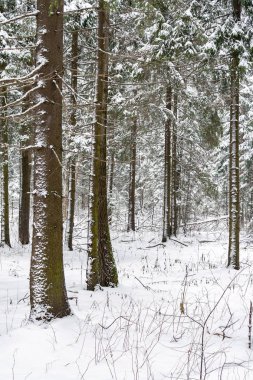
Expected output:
{"points": [[25, 15]]}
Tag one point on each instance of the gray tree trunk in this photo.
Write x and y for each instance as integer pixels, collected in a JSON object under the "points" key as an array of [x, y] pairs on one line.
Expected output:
{"points": [[234, 175], [5, 231]]}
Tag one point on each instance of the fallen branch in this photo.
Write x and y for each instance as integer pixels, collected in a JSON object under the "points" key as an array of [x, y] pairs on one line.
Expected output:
{"points": [[144, 286], [205, 221], [156, 245], [177, 241]]}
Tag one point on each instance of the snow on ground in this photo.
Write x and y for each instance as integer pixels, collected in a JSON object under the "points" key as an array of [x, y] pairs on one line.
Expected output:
{"points": [[178, 313]]}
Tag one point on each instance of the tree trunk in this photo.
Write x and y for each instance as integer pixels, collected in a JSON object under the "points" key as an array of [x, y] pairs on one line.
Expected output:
{"points": [[234, 176], [111, 178], [167, 170], [47, 284], [132, 183], [5, 232], [74, 68], [72, 193], [175, 171], [24, 208], [101, 266]]}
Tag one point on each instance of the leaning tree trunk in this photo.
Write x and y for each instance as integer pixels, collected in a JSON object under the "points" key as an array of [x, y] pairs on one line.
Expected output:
{"points": [[132, 178], [101, 266], [234, 175], [72, 192], [5, 230], [167, 170], [24, 207], [47, 284]]}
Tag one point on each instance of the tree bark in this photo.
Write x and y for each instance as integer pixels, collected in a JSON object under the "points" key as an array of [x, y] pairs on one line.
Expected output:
{"points": [[24, 208], [132, 182], [74, 68], [47, 284], [167, 170], [101, 266], [175, 170], [5, 230], [234, 175]]}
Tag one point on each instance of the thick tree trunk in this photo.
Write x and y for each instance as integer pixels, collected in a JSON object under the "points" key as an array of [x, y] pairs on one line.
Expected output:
{"points": [[74, 68], [47, 284], [132, 179], [5, 232], [101, 266], [234, 175]]}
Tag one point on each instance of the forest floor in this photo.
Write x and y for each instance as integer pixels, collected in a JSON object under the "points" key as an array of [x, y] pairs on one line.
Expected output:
{"points": [[178, 313]]}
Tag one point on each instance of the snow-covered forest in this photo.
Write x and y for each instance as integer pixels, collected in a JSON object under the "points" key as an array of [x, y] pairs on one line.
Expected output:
{"points": [[126, 200]]}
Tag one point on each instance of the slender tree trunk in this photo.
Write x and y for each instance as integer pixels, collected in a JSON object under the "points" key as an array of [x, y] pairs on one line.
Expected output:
{"points": [[24, 208], [175, 171], [167, 170], [101, 266], [5, 170], [24, 212], [188, 191], [72, 193], [234, 175], [132, 183], [111, 178], [65, 185], [74, 68], [111, 174], [47, 284]]}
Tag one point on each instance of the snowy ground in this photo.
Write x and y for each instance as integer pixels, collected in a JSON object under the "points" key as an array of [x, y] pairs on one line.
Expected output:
{"points": [[178, 313]]}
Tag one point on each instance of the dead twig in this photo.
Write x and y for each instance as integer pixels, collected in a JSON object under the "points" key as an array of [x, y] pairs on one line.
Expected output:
{"points": [[156, 245]]}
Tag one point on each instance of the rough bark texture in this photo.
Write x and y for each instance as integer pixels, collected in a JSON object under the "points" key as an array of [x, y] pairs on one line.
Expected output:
{"points": [[47, 284], [234, 175], [5, 228], [132, 183], [74, 67], [101, 266]]}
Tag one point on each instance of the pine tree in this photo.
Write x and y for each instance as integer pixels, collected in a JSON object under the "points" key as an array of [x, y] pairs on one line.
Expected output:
{"points": [[72, 179], [47, 285], [101, 267], [234, 175]]}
